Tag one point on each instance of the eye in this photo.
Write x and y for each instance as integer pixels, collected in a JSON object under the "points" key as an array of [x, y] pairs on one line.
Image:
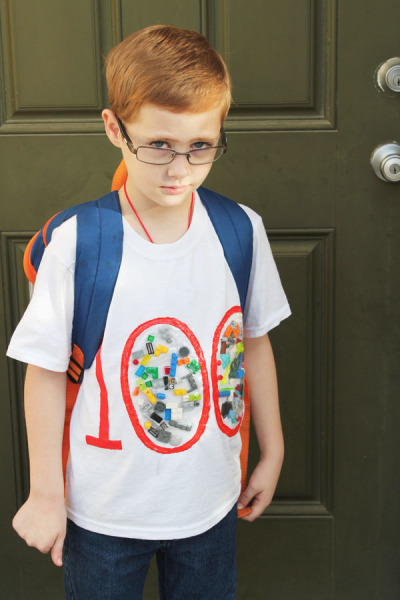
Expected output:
{"points": [[201, 145], [160, 144]]}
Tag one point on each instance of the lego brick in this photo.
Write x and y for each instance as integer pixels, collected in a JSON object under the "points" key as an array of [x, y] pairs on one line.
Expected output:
{"points": [[155, 417], [160, 350], [183, 361], [180, 391], [164, 436], [228, 331], [153, 371], [174, 362], [176, 414], [189, 404], [183, 426], [225, 360], [140, 371], [226, 407], [191, 381], [166, 334], [171, 383], [236, 331], [194, 366], [145, 360], [150, 395], [194, 397], [155, 431]]}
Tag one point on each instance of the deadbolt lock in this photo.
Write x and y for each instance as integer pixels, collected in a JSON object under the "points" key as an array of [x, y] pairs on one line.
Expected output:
{"points": [[385, 161], [387, 76]]}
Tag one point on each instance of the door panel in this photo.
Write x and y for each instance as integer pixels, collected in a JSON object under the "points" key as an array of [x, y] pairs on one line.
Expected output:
{"points": [[305, 121]]}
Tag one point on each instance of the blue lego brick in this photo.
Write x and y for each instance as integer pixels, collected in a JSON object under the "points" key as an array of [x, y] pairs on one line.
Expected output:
{"points": [[174, 362]]}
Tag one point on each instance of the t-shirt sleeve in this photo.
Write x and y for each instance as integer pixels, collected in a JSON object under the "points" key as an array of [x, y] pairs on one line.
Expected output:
{"points": [[43, 336], [266, 304]]}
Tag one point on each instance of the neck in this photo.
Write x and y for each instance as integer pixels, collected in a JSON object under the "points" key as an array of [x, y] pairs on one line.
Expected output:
{"points": [[154, 222]]}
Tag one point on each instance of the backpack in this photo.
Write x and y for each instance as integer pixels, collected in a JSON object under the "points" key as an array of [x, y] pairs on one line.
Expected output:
{"points": [[98, 258]]}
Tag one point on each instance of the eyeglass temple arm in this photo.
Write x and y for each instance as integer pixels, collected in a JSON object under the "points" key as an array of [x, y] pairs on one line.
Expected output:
{"points": [[122, 129]]}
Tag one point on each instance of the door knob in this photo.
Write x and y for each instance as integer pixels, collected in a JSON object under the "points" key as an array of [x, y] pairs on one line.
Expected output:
{"points": [[387, 76], [385, 161]]}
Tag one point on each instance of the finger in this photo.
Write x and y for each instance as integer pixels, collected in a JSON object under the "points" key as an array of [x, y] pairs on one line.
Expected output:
{"points": [[246, 497], [256, 511], [56, 551], [258, 506]]}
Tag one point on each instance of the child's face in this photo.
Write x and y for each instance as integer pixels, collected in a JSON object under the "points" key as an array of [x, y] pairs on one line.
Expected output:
{"points": [[172, 184]]}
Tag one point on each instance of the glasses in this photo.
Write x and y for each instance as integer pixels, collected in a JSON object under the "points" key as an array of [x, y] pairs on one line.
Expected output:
{"points": [[164, 156]]}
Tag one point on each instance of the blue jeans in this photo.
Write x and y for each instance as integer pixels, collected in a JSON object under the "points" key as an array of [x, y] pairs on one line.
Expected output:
{"points": [[103, 567]]}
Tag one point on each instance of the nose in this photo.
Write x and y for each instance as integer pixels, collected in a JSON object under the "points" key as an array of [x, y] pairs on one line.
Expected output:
{"points": [[179, 167]]}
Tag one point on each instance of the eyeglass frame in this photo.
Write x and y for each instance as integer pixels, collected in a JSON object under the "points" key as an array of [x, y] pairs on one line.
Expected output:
{"points": [[174, 153]]}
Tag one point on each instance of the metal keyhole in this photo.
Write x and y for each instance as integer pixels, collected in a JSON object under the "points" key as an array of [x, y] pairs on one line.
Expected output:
{"points": [[385, 161], [387, 76]]}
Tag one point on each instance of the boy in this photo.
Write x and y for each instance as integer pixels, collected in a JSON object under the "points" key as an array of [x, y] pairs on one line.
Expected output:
{"points": [[160, 475]]}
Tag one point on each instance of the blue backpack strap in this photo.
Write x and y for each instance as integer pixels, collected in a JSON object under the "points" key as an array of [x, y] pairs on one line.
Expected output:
{"points": [[98, 259], [235, 232]]}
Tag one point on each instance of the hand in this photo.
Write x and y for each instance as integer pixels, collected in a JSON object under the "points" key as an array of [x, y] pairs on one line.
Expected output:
{"points": [[261, 487], [42, 522]]}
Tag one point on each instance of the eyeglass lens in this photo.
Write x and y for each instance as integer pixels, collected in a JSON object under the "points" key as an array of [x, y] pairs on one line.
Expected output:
{"points": [[162, 156]]}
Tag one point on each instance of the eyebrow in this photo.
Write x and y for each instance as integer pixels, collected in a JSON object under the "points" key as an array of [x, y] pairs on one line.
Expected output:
{"points": [[167, 138]]}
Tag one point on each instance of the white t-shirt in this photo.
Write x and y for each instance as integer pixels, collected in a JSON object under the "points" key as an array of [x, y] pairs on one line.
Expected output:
{"points": [[154, 438]]}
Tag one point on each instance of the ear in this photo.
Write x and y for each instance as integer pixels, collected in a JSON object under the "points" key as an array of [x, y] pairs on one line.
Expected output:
{"points": [[111, 127]]}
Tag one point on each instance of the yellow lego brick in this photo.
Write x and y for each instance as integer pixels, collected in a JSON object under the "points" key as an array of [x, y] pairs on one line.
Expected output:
{"points": [[223, 381], [145, 359], [150, 395], [160, 349], [179, 392]]}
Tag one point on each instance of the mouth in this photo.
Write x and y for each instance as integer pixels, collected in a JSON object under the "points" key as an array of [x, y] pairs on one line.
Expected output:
{"points": [[174, 189]]}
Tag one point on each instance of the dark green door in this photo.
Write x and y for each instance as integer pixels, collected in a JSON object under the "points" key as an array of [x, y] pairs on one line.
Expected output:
{"points": [[307, 116]]}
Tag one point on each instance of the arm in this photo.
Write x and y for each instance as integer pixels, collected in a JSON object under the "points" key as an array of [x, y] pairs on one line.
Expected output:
{"points": [[264, 408], [41, 521]]}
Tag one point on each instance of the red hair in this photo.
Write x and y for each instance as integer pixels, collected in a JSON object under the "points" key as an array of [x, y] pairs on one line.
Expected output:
{"points": [[167, 66]]}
